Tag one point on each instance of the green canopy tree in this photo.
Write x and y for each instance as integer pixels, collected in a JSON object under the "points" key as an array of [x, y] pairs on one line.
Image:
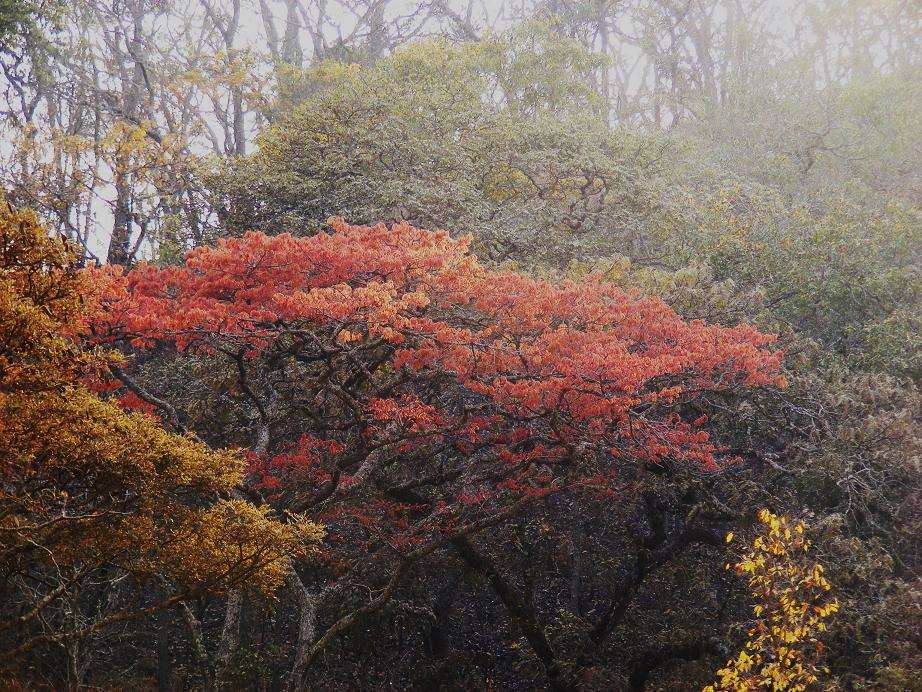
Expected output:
{"points": [[502, 138]]}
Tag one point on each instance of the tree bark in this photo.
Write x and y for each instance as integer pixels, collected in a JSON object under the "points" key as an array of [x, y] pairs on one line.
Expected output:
{"points": [[198, 645], [523, 615], [652, 659], [230, 635], [437, 639], [120, 243], [164, 664], [307, 631]]}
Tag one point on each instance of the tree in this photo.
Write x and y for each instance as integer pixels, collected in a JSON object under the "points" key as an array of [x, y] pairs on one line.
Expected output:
{"points": [[749, 162], [501, 138], [842, 274], [21, 22], [106, 143], [94, 499], [409, 398], [792, 601]]}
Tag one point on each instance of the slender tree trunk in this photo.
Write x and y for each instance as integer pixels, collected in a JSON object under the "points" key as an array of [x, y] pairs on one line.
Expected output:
{"points": [[307, 631], [292, 53], [576, 576], [230, 635], [120, 242], [73, 671], [522, 614], [198, 645], [164, 664], [437, 639]]}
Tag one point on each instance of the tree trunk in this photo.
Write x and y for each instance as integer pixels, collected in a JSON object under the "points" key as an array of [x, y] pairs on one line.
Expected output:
{"points": [[523, 616], [230, 635], [164, 663], [120, 242], [437, 639], [73, 668], [577, 535], [307, 632], [198, 646]]}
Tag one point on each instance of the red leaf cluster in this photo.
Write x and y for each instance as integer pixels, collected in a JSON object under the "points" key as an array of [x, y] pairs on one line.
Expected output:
{"points": [[426, 367]]}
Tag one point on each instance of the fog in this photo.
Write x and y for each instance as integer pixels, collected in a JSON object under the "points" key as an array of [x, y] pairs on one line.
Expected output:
{"points": [[375, 344]]}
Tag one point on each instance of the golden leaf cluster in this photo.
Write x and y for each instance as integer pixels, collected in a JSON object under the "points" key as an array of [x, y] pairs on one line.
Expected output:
{"points": [[793, 600], [85, 485]]}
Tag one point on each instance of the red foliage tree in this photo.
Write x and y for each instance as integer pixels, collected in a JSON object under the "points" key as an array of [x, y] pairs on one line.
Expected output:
{"points": [[405, 395]]}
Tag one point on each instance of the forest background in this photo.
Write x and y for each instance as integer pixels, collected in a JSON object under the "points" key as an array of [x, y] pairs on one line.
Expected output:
{"points": [[746, 162]]}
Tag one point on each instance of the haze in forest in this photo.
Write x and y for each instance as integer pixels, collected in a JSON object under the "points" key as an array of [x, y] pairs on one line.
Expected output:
{"points": [[460, 344]]}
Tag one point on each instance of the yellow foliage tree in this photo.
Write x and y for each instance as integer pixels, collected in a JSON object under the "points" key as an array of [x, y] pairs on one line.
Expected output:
{"points": [[793, 599], [92, 497]]}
